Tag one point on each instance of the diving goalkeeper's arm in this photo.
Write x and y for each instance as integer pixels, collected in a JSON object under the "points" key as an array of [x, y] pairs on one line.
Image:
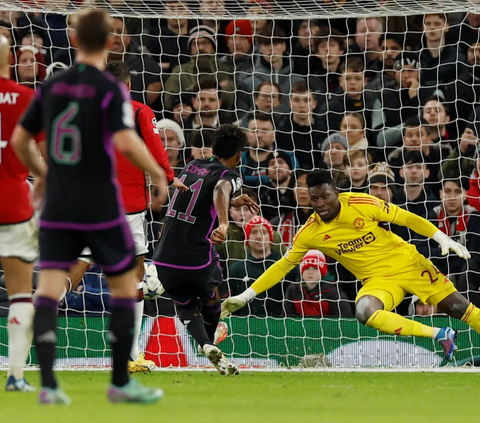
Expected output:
{"points": [[421, 226], [273, 275]]}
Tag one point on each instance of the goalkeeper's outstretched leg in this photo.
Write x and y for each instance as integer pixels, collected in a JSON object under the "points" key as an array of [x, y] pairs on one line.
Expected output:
{"points": [[370, 312]]}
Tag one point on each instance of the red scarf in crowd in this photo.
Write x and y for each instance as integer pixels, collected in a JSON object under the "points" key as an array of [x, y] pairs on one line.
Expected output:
{"points": [[459, 225]]}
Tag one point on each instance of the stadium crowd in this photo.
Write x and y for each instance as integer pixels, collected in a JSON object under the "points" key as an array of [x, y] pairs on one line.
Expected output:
{"points": [[389, 106]]}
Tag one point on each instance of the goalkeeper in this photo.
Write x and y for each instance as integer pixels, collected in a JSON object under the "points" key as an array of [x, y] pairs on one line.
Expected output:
{"points": [[346, 228]]}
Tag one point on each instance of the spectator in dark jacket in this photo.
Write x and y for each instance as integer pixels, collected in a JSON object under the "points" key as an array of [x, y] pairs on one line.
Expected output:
{"points": [[274, 64], [291, 221], [399, 102], [416, 137], [462, 159], [356, 164], [354, 98], [276, 196], [463, 95], [460, 222], [304, 47], [303, 133], [437, 115], [325, 65], [259, 236], [315, 296], [168, 45], [391, 46], [440, 63]]}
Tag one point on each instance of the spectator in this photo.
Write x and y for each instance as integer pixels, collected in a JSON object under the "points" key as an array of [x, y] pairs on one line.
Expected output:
{"points": [[381, 182], [417, 197], [262, 8], [469, 30], [473, 194], [352, 128], [259, 237], [202, 43], [168, 45], [234, 248], [335, 148], [440, 63], [273, 64], [261, 143], [207, 104], [146, 84], [290, 221], [304, 47], [463, 94], [173, 141], [9, 31], [462, 158], [239, 39], [399, 103], [68, 53], [266, 100], [356, 164], [91, 296], [182, 108], [35, 37], [215, 9], [420, 308], [391, 46], [277, 195], [326, 64], [302, 134], [437, 116], [315, 296], [417, 137], [353, 99], [201, 143], [30, 69], [367, 39], [460, 222]]}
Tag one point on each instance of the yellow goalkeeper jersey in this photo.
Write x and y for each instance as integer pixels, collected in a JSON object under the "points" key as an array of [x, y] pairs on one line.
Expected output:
{"points": [[355, 239]]}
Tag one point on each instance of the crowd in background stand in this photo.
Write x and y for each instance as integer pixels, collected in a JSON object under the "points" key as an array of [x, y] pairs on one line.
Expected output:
{"points": [[388, 106]]}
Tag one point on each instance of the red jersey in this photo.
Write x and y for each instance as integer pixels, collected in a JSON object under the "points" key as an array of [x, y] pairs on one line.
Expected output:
{"points": [[15, 198], [132, 180]]}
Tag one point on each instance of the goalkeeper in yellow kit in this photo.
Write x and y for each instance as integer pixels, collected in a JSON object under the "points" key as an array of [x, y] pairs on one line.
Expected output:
{"points": [[346, 228]]}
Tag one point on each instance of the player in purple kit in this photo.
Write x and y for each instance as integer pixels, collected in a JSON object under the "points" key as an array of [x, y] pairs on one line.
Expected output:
{"points": [[85, 113], [187, 263]]}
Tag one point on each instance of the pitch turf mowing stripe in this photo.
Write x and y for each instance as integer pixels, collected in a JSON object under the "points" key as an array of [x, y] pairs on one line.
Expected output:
{"points": [[203, 397]]}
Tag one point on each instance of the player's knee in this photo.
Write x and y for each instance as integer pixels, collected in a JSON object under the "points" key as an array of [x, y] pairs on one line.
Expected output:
{"points": [[365, 307]]}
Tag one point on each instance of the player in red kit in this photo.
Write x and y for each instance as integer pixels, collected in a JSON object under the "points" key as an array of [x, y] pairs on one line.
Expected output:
{"points": [[18, 230], [136, 200]]}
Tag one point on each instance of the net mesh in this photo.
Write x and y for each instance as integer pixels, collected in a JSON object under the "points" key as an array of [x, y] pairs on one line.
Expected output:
{"points": [[359, 97]]}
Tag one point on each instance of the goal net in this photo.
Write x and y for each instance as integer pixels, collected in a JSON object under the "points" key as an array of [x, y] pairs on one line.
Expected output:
{"points": [[383, 93]]}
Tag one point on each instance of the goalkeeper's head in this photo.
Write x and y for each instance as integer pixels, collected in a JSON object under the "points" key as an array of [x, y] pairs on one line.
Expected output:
{"points": [[228, 144]]}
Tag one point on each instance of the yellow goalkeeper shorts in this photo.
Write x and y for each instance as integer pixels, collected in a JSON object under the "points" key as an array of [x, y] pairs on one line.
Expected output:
{"points": [[421, 278]]}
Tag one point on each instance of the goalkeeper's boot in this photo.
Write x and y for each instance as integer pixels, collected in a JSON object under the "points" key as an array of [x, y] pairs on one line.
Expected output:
{"points": [[221, 333], [446, 338], [53, 396], [140, 365], [219, 361], [19, 385], [133, 391]]}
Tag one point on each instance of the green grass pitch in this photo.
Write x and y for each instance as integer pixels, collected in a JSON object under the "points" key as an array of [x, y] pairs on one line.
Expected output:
{"points": [[291, 397]]}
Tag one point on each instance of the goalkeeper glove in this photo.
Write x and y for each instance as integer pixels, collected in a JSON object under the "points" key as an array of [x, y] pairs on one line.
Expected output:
{"points": [[447, 244], [232, 304]]}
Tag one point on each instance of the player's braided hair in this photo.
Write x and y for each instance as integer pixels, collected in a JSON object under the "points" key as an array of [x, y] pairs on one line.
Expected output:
{"points": [[229, 140], [320, 177]]}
